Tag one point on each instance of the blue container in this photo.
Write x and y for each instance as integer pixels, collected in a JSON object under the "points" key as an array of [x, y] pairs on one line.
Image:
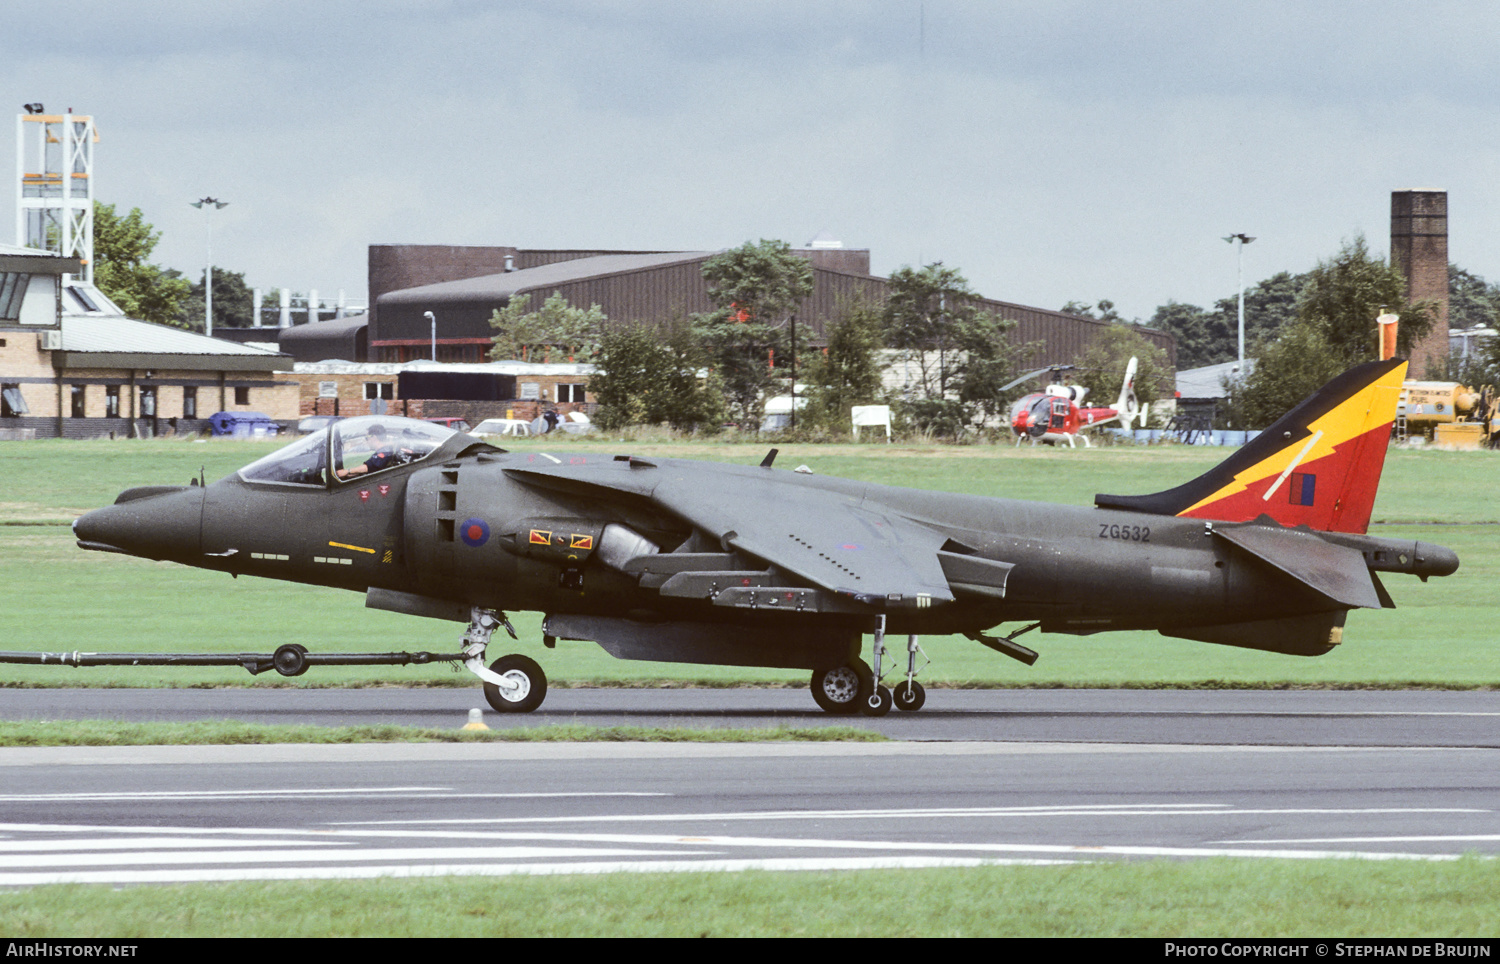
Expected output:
{"points": [[243, 424]]}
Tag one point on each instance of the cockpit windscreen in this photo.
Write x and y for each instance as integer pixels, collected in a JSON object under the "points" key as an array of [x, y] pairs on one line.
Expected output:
{"points": [[300, 463], [353, 448]]}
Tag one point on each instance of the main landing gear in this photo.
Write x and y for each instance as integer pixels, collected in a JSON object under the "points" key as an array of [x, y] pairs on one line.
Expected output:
{"points": [[516, 684], [855, 688], [512, 684]]}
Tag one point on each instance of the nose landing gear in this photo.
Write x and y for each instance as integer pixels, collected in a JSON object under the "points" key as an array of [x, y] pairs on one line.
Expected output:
{"points": [[513, 683], [530, 685]]}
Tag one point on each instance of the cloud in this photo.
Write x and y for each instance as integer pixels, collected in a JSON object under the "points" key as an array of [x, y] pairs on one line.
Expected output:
{"points": [[1069, 150]]}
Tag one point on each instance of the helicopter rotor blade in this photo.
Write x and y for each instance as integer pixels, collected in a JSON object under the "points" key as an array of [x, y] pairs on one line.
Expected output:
{"points": [[1027, 377]]}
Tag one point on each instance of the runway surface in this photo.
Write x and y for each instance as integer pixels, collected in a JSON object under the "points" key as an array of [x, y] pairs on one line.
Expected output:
{"points": [[1128, 775], [1281, 718]]}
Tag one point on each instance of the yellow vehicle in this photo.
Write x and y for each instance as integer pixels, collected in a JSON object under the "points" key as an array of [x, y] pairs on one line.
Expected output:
{"points": [[1448, 413]]}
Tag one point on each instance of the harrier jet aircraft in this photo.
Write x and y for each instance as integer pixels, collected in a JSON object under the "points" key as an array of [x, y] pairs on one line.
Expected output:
{"points": [[686, 561]]}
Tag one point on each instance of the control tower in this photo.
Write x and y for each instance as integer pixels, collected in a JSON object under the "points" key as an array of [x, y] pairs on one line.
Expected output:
{"points": [[55, 195]]}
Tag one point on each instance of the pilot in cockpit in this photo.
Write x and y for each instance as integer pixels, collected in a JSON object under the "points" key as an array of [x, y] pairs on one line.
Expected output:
{"points": [[383, 453], [355, 448]]}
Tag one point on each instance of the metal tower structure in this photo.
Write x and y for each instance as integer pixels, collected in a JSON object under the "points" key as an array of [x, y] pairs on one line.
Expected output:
{"points": [[55, 193]]}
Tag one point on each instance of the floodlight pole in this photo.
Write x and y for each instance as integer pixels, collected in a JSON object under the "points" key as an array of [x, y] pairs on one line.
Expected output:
{"points": [[208, 272], [794, 371], [1239, 241]]}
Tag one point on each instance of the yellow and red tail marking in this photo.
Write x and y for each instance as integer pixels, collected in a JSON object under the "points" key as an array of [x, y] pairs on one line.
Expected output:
{"points": [[1326, 471], [1318, 466]]}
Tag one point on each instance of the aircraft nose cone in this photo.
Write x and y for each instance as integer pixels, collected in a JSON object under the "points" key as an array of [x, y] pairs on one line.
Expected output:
{"points": [[158, 522], [1435, 560]]}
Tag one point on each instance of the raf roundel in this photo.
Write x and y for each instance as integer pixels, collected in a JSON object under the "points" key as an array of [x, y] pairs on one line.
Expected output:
{"points": [[474, 532]]}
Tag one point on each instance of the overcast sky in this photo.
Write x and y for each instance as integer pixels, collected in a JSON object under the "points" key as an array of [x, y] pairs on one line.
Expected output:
{"points": [[1050, 151]]}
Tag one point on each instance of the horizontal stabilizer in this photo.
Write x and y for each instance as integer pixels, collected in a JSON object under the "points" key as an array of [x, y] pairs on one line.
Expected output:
{"points": [[1338, 572]]}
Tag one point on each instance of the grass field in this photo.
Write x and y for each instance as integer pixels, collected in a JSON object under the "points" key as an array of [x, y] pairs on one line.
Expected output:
{"points": [[1442, 635], [234, 732], [1206, 899], [62, 598]]}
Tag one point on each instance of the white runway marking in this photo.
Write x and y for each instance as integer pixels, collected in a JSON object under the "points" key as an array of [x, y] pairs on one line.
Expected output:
{"points": [[314, 856], [1284, 713], [1445, 838], [73, 844], [209, 794], [40, 853], [445, 792], [1123, 810]]}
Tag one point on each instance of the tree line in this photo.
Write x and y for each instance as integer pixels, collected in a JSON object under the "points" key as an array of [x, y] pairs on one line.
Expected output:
{"points": [[1303, 329], [718, 367], [123, 270]]}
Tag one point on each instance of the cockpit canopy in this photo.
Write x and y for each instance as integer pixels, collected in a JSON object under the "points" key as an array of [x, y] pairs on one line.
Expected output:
{"points": [[349, 450], [1036, 415]]}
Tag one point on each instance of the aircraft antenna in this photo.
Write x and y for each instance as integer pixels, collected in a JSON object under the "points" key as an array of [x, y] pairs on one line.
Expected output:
{"points": [[765, 463]]}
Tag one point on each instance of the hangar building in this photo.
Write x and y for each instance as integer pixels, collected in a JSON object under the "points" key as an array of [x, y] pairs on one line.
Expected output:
{"points": [[463, 285]]}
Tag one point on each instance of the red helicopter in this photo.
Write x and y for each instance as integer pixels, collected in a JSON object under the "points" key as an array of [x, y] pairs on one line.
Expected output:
{"points": [[1054, 415]]}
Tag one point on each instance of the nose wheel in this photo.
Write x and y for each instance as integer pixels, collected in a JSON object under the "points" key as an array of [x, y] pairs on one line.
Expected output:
{"points": [[512, 684], [529, 685]]}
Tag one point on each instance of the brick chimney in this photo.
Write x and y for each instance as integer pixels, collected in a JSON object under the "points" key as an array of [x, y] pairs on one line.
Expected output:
{"points": [[1419, 250]]}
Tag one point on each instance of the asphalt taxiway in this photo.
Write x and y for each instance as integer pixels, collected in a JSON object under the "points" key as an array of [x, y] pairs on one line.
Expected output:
{"points": [[1030, 777], [1224, 717]]}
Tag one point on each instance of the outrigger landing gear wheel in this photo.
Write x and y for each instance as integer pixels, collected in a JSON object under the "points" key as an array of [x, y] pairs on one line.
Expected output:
{"points": [[909, 695], [530, 692], [840, 689], [877, 702]]}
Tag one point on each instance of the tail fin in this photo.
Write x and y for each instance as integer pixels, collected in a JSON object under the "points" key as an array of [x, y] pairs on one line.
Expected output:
{"points": [[1126, 404], [1318, 466]]}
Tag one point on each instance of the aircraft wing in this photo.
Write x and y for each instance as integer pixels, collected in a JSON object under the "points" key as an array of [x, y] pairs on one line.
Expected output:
{"points": [[833, 540]]}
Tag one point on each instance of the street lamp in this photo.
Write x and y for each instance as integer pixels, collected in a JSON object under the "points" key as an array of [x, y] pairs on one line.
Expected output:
{"points": [[208, 274], [1239, 241]]}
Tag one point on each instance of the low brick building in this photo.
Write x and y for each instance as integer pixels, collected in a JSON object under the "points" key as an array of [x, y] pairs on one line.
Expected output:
{"points": [[85, 370], [426, 389], [121, 377]]}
